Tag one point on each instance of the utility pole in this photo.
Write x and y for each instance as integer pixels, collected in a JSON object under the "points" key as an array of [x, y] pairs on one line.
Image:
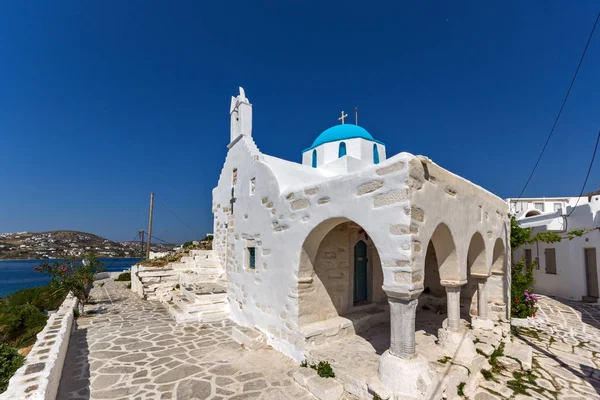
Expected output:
{"points": [[150, 226], [142, 232]]}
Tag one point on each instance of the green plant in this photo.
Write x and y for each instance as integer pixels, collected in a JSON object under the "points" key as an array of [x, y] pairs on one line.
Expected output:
{"points": [[10, 362], [498, 352], [44, 298], [19, 324], [69, 275], [376, 397], [460, 389], [304, 364], [324, 369], [188, 244], [124, 277], [444, 360], [523, 301], [487, 374]]}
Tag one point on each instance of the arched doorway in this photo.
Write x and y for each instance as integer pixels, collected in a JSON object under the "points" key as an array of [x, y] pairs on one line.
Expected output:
{"points": [[340, 275]]}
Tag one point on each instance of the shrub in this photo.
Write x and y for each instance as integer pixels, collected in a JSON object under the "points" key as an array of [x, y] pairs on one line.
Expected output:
{"points": [[124, 277], [324, 369], [68, 275], [20, 324], [188, 244], [10, 362], [44, 298], [524, 302]]}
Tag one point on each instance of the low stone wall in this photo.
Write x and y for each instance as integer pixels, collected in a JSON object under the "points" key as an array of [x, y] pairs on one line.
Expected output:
{"points": [[40, 376], [154, 283]]}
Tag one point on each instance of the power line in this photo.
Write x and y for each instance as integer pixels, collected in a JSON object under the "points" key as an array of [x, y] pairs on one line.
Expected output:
{"points": [[588, 173], [160, 240], [561, 107], [180, 220], [116, 258]]}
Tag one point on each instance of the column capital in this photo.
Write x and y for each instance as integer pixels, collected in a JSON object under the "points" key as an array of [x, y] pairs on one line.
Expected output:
{"points": [[402, 294], [480, 276], [452, 284]]}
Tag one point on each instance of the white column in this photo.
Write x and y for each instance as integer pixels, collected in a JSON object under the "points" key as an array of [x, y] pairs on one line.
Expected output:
{"points": [[402, 325], [482, 299], [453, 296]]}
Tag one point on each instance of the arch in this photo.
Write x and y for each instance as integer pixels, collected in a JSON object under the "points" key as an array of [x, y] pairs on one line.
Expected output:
{"points": [[326, 275], [477, 267], [445, 251], [532, 213], [498, 258], [375, 154], [476, 256], [314, 158], [342, 150]]}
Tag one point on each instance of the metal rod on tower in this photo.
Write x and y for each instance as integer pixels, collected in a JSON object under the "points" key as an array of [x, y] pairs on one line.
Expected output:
{"points": [[356, 115], [150, 226], [142, 232]]}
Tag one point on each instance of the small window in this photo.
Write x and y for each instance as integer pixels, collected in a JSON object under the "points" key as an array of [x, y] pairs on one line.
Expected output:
{"points": [[550, 261], [375, 154], [314, 159], [539, 206], [528, 258], [251, 264], [252, 186], [558, 207], [342, 150]]}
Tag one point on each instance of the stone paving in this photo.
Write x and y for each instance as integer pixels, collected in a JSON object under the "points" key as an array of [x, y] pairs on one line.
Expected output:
{"points": [[565, 338], [134, 350]]}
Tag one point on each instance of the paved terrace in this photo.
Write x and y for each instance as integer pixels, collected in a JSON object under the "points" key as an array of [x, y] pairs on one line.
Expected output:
{"points": [[134, 350]]}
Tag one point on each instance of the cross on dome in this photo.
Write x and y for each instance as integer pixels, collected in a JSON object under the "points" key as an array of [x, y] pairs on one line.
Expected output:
{"points": [[342, 117]]}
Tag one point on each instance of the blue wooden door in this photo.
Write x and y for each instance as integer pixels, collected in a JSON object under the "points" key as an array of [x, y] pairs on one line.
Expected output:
{"points": [[360, 272]]}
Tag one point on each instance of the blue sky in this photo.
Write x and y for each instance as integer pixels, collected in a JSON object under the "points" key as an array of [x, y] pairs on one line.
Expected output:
{"points": [[103, 102]]}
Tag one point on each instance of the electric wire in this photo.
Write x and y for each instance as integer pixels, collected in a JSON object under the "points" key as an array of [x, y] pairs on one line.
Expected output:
{"points": [[179, 219], [587, 175], [561, 107]]}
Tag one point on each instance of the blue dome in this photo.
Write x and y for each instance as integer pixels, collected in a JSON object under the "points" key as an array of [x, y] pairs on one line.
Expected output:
{"points": [[341, 132]]}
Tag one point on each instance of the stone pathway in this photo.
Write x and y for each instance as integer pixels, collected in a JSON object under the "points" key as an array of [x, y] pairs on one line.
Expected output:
{"points": [[565, 338], [134, 350]]}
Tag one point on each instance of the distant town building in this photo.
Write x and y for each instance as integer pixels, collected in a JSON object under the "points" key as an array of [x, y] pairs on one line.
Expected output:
{"points": [[569, 268]]}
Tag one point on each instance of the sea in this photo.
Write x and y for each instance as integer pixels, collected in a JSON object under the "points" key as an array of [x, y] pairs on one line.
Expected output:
{"points": [[19, 274]]}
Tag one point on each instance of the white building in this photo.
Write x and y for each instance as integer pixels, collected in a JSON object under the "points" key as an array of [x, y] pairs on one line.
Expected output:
{"points": [[307, 246], [568, 268]]}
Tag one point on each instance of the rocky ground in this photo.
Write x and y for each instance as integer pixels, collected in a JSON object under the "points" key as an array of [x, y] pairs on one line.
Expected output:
{"points": [[134, 350], [565, 338]]}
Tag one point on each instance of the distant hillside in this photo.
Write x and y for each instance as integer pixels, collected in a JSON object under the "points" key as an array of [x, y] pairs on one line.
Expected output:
{"points": [[53, 244]]}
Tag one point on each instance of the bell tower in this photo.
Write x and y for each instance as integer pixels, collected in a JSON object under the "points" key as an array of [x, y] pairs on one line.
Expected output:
{"points": [[241, 116]]}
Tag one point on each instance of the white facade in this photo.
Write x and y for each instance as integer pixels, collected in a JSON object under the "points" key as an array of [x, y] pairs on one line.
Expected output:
{"points": [[562, 268], [305, 246]]}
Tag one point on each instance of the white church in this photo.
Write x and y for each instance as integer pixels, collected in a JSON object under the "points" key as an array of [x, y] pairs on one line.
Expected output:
{"points": [[352, 238]]}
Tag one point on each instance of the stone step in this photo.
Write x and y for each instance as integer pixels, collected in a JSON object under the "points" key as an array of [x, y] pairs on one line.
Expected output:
{"points": [[214, 316], [250, 338], [179, 315], [191, 306]]}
